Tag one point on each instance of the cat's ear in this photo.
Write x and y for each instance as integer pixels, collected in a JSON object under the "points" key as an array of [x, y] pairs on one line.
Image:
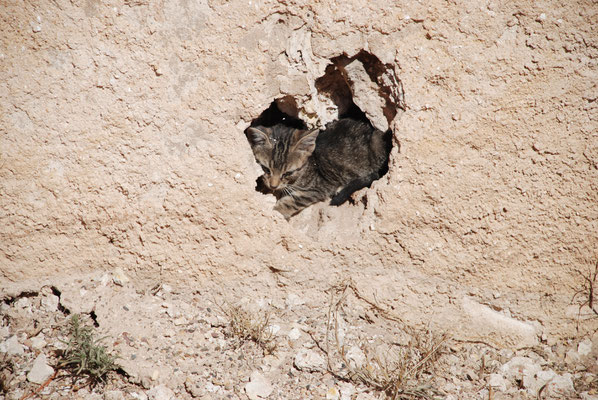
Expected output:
{"points": [[257, 137], [306, 140]]}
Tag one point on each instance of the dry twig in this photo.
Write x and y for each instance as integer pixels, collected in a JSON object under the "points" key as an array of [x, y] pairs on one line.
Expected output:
{"points": [[389, 368]]}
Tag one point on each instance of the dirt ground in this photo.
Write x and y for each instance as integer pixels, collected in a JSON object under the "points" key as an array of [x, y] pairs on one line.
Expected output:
{"points": [[124, 168]]}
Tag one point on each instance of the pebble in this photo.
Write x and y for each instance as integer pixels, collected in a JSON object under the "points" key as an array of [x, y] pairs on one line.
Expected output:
{"points": [[585, 347], [258, 386], [180, 321], [356, 357], [293, 300], [294, 334], [12, 347], [38, 342], [138, 395], [4, 331], [347, 390], [498, 382], [160, 392], [119, 277], [23, 302], [333, 394], [50, 303], [41, 371], [114, 395], [309, 360]]}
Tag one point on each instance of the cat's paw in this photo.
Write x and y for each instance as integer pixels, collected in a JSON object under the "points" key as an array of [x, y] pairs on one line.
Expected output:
{"points": [[287, 207]]}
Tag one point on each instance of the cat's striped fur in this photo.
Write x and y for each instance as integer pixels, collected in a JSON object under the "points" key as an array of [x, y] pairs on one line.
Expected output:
{"points": [[303, 167]]}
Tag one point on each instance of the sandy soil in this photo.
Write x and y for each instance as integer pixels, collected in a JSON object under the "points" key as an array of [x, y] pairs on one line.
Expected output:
{"points": [[122, 149]]}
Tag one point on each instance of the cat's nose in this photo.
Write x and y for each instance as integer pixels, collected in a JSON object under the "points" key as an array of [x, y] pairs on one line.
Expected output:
{"points": [[274, 183]]}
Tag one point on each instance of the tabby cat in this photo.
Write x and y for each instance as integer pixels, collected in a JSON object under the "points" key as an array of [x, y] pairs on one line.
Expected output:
{"points": [[303, 167]]}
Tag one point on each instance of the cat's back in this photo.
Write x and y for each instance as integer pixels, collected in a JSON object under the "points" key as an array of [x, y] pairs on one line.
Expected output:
{"points": [[352, 140]]}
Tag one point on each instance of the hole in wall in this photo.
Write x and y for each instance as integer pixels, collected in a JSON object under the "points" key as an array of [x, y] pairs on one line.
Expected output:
{"points": [[360, 95]]}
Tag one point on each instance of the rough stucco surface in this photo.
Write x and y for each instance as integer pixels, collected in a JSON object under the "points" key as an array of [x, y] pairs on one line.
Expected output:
{"points": [[121, 145]]}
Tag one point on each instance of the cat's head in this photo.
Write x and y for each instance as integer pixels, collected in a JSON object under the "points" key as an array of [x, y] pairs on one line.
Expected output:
{"points": [[282, 152]]}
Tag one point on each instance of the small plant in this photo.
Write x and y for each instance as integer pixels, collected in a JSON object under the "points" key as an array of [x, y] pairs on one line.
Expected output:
{"points": [[84, 354], [248, 326], [393, 369], [587, 291]]}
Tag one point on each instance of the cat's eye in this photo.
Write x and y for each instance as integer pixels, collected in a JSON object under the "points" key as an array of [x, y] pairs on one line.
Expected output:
{"points": [[266, 169], [287, 174]]}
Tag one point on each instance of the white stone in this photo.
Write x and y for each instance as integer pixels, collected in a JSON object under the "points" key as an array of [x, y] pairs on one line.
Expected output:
{"points": [[23, 302], [274, 329], [50, 303], [294, 334], [12, 346], [584, 347], [258, 387], [4, 331], [309, 360], [41, 371], [119, 277], [160, 392], [347, 390], [561, 386], [114, 395], [293, 300], [356, 357], [38, 342], [333, 394], [487, 322], [534, 377], [139, 395], [498, 382]]}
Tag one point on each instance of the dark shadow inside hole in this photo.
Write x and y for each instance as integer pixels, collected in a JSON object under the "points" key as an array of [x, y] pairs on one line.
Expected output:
{"points": [[281, 111]]}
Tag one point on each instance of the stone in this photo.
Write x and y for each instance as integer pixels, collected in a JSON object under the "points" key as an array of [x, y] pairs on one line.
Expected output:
{"points": [[50, 303], [560, 386], [347, 390], [534, 378], [4, 331], [114, 395], [41, 371], [192, 388], [356, 357], [138, 395], [310, 361], [498, 327], [333, 394], [258, 387], [293, 300], [584, 347], [498, 382], [38, 342], [119, 277], [294, 334], [12, 347], [160, 392]]}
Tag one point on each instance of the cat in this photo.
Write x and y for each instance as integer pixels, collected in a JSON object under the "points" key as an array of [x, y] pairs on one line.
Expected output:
{"points": [[303, 167]]}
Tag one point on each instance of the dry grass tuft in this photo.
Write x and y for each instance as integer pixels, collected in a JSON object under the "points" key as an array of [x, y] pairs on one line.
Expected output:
{"points": [[586, 292], [392, 368], [250, 326]]}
